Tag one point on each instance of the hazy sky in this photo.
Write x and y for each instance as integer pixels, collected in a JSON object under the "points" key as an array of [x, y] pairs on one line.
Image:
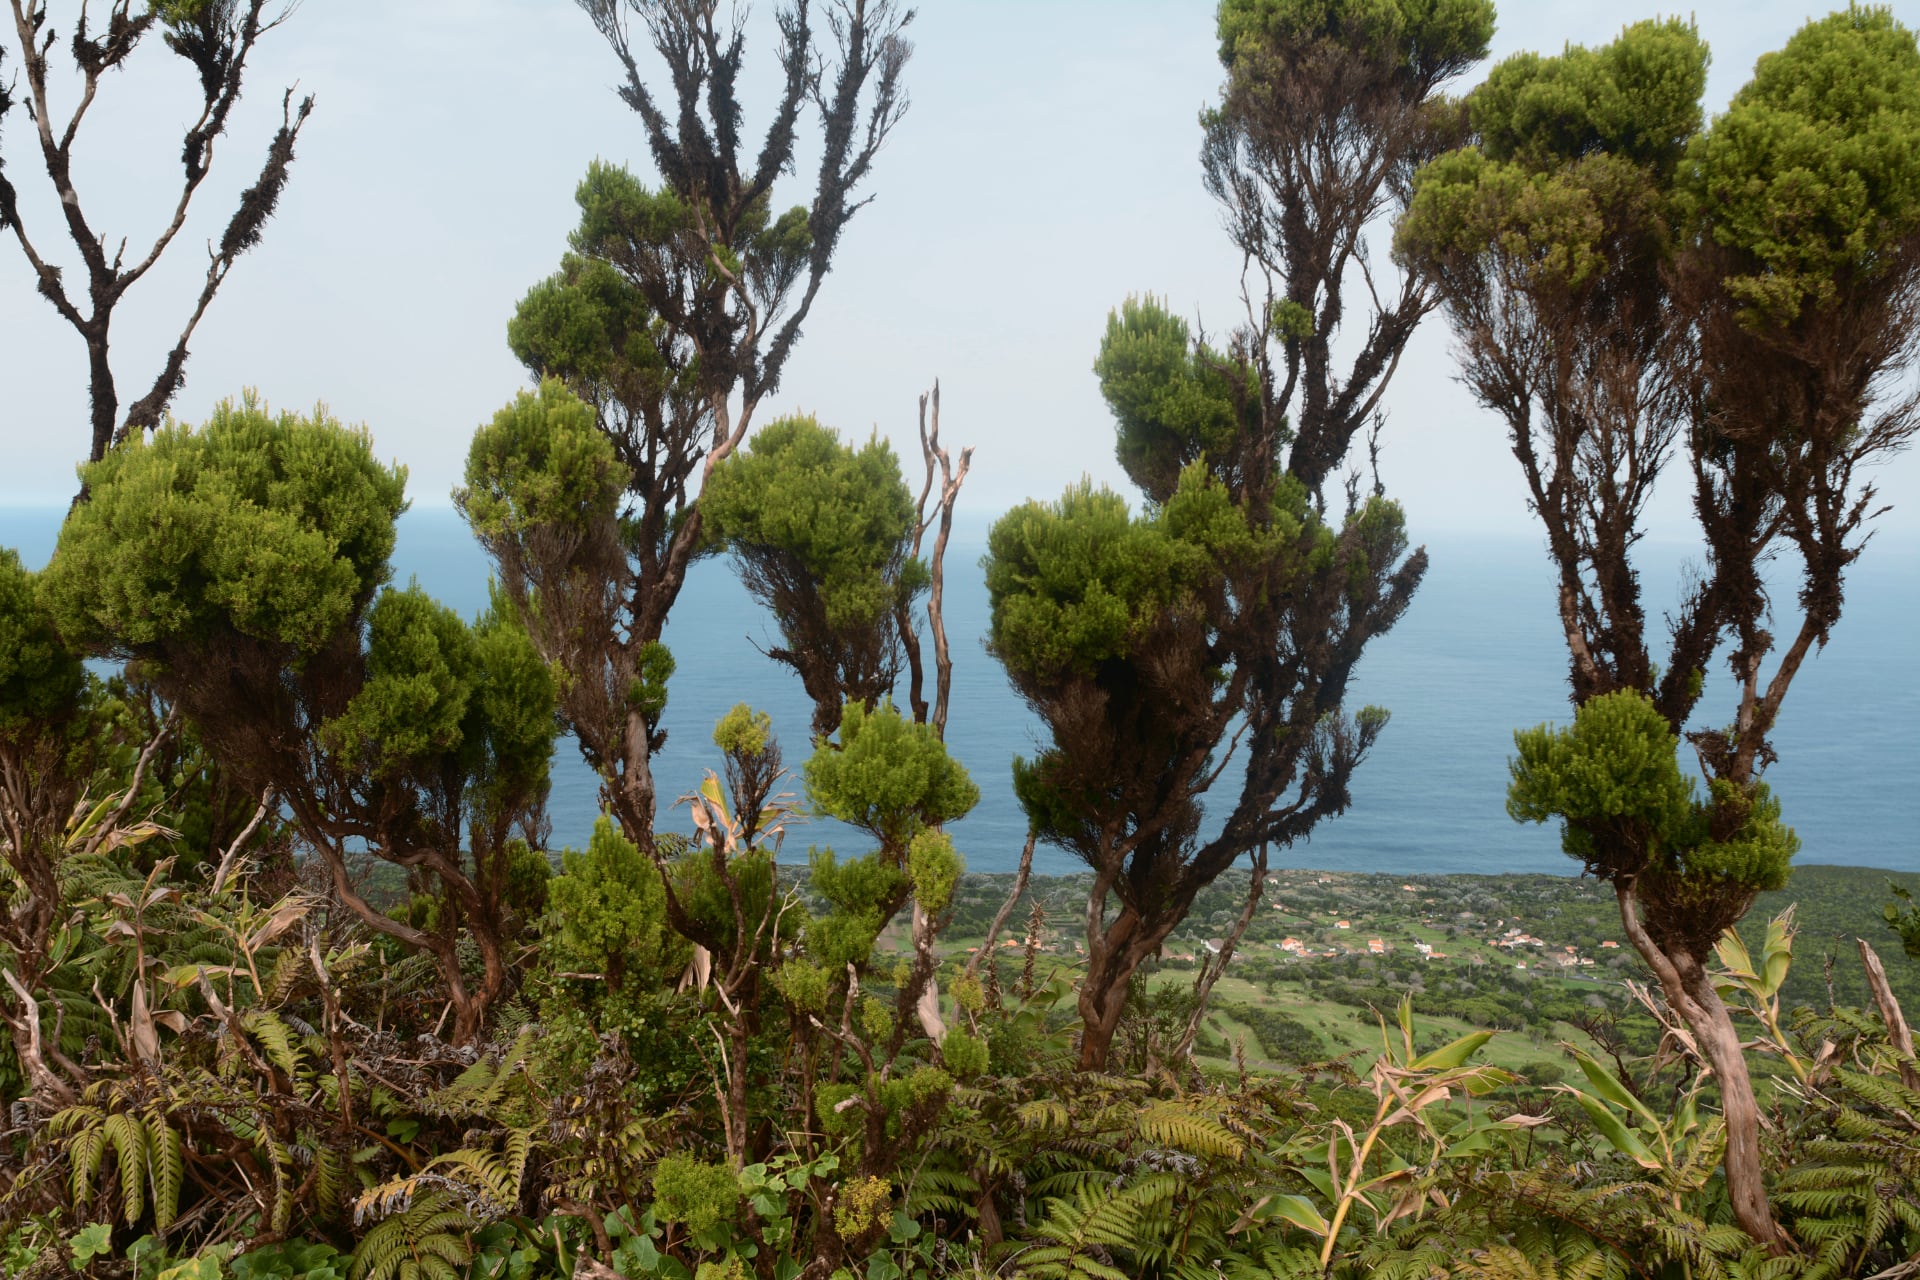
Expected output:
{"points": [[1047, 168]]}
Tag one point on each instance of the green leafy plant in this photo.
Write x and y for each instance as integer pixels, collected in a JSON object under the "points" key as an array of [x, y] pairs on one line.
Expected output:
{"points": [[1681, 1150], [1903, 917], [208, 1264], [1760, 983], [426, 1239], [148, 1161], [95, 1240], [295, 1259], [1354, 1169], [823, 535]]}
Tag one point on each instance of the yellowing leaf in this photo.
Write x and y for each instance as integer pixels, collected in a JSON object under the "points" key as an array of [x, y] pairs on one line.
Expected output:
{"points": [[1300, 1211]]}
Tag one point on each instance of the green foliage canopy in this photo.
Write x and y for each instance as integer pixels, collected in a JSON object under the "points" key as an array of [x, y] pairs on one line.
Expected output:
{"points": [[822, 533], [1812, 177], [1809, 180], [635, 228], [275, 528], [40, 679], [1637, 98], [1569, 190], [1429, 40], [1171, 400], [438, 693], [543, 493], [893, 779], [1071, 582], [839, 516], [1632, 817], [255, 545], [1082, 582], [540, 463], [609, 914], [588, 325], [889, 777]]}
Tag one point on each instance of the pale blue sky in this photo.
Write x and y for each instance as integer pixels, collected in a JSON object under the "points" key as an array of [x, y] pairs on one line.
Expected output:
{"points": [[1047, 168]]}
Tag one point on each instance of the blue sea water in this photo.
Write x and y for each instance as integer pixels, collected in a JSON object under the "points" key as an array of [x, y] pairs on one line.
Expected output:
{"points": [[1478, 654]]}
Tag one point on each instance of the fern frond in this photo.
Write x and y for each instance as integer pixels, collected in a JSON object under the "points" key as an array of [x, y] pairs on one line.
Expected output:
{"points": [[283, 976], [943, 1191], [167, 1166], [1703, 1159], [128, 1137], [1092, 1220], [1043, 1113], [85, 1130], [1055, 1263], [276, 1039], [1068, 1182], [427, 1241], [281, 1211], [329, 1179], [1172, 1125]]}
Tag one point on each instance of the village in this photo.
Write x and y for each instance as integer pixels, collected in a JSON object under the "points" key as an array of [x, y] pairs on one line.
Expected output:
{"points": [[1557, 926], [1539, 958], [1530, 951]]}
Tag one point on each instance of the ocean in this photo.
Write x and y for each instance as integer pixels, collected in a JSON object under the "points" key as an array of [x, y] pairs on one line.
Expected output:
{"points": [[1478, 655]]}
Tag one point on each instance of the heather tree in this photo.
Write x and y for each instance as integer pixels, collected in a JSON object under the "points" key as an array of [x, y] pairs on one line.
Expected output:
{"points": [[214, 38], [1201, 646], [239, 569], [669, 323], [1633, 291], [822, 534], [46, 749], [609, 915]]}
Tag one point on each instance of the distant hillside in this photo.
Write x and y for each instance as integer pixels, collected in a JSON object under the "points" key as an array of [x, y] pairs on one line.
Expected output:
{"points": [[1468, 917], [1833, 906]]}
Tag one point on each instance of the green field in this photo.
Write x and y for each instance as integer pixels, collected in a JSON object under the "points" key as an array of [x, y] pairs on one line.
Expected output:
{"points": [[1479, 984]]}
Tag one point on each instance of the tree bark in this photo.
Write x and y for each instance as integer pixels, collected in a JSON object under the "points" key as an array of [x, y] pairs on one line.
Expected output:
{"points": [[467, 1018], [26, 1046], [1898, 1032], [740, 1034], [1100, 1010], [1111, 960], [1006, 908], [105, 402], [1689, 991], [1746, 1182]]}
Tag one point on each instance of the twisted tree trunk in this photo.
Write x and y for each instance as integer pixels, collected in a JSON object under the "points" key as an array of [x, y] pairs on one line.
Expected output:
{"points": [[1689, 992], [1112, 956]]}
